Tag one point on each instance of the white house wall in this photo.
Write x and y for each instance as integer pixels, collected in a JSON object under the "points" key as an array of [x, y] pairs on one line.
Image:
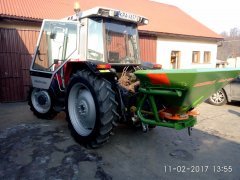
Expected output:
{"points": [[165, 46], [233, 62]]}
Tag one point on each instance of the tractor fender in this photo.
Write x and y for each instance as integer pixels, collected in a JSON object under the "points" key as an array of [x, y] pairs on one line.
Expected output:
{"points": [[72, 67]]}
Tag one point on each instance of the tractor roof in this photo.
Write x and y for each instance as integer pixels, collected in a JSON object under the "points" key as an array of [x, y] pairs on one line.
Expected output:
{"points": [[110, 13]]}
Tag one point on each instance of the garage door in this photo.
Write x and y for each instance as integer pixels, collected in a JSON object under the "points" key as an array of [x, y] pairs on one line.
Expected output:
{"points": [[148, 46], [16, 50]]}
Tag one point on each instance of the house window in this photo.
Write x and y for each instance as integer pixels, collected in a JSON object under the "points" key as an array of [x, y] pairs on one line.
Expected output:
{"points": [[207, 57], [175, 59], [196, 57]]}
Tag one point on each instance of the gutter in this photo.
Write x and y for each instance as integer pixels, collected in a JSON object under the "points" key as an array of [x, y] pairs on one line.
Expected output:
{"points": [[181, 36], [18, 18]]}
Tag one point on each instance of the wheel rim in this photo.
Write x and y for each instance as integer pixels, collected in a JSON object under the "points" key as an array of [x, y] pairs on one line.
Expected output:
{"points": [[41, 100], [218, 97], [81, 109]]}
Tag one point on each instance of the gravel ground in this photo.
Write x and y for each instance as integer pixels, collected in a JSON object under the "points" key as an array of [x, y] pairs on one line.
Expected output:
{"points": [[32, 148]]}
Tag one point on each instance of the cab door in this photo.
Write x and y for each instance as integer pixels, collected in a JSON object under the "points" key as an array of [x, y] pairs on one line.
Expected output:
{"points": [[57, 43]]}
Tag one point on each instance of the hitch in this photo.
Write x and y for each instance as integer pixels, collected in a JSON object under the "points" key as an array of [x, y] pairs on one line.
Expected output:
{"points": [[189, 131]]}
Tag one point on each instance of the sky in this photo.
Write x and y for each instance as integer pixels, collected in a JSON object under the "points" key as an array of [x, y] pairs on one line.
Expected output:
{"points": [[218, 15]]}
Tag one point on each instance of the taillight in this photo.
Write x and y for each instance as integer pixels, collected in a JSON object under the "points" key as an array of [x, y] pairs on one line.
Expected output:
{"points": [[103, 66]]}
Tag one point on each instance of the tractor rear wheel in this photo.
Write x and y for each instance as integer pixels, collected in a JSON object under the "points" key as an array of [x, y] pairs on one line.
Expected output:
{"points": [[91, 108], [41, 103]]}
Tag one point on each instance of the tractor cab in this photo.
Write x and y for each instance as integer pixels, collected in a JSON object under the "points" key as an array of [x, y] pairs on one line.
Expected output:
{"points": [[99, 34]]}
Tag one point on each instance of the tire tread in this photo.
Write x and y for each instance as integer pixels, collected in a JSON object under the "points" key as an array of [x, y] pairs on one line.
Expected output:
{"points": [[107, 108]]}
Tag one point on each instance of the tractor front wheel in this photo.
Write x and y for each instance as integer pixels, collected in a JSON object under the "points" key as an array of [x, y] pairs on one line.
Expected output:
{"points": [[41, 103], [91, 108]]}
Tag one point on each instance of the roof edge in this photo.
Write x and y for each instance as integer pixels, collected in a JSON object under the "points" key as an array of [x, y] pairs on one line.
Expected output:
{"points": [[184, 36], [9, 17]]}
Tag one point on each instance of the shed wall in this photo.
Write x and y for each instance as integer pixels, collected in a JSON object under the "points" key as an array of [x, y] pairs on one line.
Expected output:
{"points": [[16, 50]]}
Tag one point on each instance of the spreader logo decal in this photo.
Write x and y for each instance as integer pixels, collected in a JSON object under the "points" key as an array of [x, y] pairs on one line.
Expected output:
{"points": [[225, 80], [159, 79], [204, 83]]}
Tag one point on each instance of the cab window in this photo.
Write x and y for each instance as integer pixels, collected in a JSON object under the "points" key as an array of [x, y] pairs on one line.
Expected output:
{"points": [[58, 43], [95, 50]]}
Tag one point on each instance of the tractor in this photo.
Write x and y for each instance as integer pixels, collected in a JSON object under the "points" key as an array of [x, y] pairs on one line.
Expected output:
{"points": [[89, 66]]}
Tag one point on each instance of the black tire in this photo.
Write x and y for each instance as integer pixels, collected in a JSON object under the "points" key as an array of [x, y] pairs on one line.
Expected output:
{"points": [[218, 99], [90, 98], [47, 113]]}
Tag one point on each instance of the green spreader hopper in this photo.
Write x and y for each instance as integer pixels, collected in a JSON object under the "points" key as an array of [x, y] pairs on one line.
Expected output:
{"points": [[173, 94]]}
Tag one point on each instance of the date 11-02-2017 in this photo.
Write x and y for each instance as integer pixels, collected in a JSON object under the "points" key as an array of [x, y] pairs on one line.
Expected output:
{"points": [[198, 169]]}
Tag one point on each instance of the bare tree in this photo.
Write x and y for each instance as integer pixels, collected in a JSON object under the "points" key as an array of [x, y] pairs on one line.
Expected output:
{"points": [[234, 33], [224, 34], [230, 46]]}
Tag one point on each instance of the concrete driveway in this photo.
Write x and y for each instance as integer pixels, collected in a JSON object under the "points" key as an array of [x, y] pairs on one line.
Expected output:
{"points": [[32, 148]]}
